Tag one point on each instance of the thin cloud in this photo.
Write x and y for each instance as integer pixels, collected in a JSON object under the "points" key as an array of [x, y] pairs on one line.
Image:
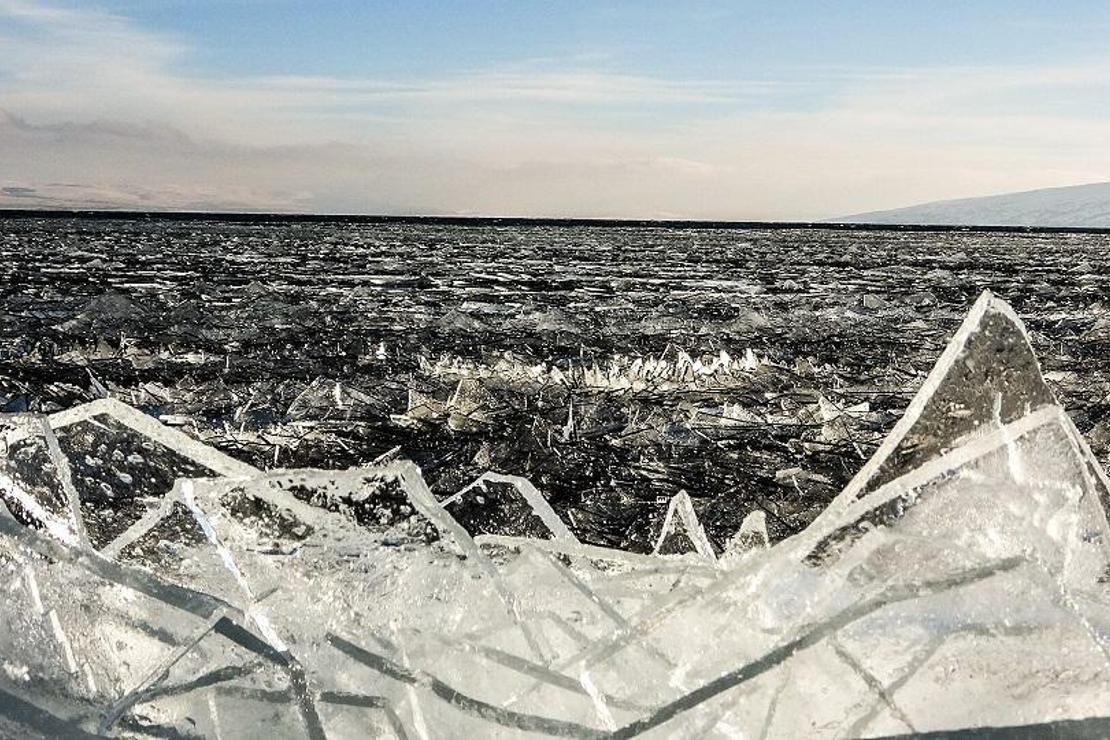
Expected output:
{"points": [[540, 86], [100, 65]]}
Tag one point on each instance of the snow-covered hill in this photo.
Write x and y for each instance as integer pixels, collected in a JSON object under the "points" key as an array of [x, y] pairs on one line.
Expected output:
{"points": [[1077, 206]]}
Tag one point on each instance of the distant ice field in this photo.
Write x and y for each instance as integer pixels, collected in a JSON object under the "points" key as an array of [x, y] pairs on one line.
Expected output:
{"points": [[613, 367]]}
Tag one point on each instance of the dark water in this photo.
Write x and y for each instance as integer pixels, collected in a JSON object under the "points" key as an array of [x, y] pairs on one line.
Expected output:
{"points": [[330, 344]]}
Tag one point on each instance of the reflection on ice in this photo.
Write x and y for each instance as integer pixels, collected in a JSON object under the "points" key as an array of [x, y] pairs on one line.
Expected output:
{"points": [[156, 588]]}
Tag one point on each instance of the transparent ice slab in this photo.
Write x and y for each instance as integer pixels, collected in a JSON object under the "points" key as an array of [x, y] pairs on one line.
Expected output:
{"points": [[123, 462], [225, 683], [960, 582], [995, 542], [330, 571], [682, 531], [988, 375], [35, 481], [81, 636], [995, 555], [506, 505], [326, 576], [1029, 487]]}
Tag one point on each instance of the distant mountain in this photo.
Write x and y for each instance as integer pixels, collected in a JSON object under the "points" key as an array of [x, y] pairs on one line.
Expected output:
{"points": [[1086, 206]]}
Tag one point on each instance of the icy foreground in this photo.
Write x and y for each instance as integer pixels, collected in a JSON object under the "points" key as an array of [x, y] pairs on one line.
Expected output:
{"points": [[157, 588]]}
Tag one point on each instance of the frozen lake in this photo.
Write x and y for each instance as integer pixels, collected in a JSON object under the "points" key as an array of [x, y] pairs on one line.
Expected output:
{"points": [[611, 366]]}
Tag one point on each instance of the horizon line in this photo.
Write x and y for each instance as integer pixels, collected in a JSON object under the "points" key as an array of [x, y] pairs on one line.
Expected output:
{"points": [[486, 220]]}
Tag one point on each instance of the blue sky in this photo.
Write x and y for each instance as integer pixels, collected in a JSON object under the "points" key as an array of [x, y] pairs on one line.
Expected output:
{"points": [[725, 40], [783, 110]]}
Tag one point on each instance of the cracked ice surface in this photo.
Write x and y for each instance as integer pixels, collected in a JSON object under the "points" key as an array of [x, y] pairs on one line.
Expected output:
{"points": [[959, 582]]}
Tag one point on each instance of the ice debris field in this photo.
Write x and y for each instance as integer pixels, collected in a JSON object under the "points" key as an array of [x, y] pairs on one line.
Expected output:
{"points": [[958, 584]]}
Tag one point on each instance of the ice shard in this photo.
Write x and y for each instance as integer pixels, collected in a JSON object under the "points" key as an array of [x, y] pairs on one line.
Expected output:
{"points": [[471, 405], [1029, 487], [123, 462], [681, 531], [328, 399], [751, 536], [506, 505], [988, 375], [35, 481]]}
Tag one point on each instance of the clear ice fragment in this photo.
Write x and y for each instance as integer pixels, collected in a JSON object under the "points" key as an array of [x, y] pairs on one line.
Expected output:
{"points": [[506, 505], [987, 376], [1026, 488], [35, 480], [123, 462], [752, 535], [87, 632], [681, 531]]}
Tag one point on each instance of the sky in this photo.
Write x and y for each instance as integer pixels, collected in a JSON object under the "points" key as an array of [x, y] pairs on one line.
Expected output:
{"points": [[779, 110]]}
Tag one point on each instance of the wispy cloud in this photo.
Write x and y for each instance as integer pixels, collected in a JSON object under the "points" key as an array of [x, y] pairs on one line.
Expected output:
{"points": [[66, 62], [582, 86]]}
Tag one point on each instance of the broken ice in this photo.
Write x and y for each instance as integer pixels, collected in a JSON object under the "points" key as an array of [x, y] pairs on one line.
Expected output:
{"points": [[157, 588]]}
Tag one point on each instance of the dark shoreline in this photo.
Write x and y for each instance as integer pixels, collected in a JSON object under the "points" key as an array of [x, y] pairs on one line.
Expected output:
{"points": [[487, 221]]}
